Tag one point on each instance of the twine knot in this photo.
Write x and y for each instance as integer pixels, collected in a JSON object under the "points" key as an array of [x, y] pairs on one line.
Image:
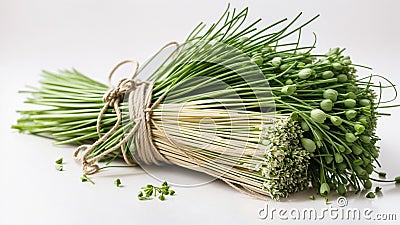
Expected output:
{"points": [[139, 101], [117, 93]]}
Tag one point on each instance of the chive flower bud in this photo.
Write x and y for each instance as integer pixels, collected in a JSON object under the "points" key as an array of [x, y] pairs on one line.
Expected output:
{"points": [[304, 126], [342, 78], [288, 82], [305, 73], [374, 153], [327, 74], [324, 189], [341, 166], [366, 110], [338, 158], [324, 60], [359, 128], [350, 103], [333, 51], [257, 59], [341, 148], [350, 137], [244, 39], [350, 114], [356, 150], [266, 49], [335, 120], [358, 162], [363, 120], [360, 172], [326, 105], [351, 95], [365, 102], [276, 61], [341, 189], [346, 62], [368, 184], [328, 159], [330, 94], [369, 168], [294, 116], [397, 179], [351, 87], [365, 139], [366, 161], [318, 115], [284, 67], [308, 144], [300, 64], [337, 66], [288, 89]]}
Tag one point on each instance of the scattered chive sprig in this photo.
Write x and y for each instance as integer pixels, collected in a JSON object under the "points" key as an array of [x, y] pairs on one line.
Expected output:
{"points": [[149, 190]]}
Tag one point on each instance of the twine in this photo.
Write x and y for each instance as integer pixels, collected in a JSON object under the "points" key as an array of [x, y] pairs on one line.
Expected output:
{"points": [[140, 94]]}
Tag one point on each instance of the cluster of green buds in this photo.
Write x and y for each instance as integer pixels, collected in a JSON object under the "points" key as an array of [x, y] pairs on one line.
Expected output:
{"points": [[286, 161], [345, 134], [336, 109]]}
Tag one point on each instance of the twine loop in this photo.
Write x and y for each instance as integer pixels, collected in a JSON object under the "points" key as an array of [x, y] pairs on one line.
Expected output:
{"points": [[139, 113], [140, 109]]}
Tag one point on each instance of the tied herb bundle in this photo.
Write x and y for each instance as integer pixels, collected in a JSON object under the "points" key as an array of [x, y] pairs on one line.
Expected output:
{"points": [[233, 75]]}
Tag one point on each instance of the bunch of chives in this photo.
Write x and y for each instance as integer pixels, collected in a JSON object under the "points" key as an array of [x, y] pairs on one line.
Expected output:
{"points": [[336, 110]]}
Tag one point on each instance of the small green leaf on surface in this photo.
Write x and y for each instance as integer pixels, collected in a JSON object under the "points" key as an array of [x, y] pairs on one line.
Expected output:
{"points": [[59, 161], [370, 195], [378, 189], [117, 182], [59, 167]]}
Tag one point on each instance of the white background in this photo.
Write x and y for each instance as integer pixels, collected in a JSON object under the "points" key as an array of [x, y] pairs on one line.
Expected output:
{"points": [[93, 36]]}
